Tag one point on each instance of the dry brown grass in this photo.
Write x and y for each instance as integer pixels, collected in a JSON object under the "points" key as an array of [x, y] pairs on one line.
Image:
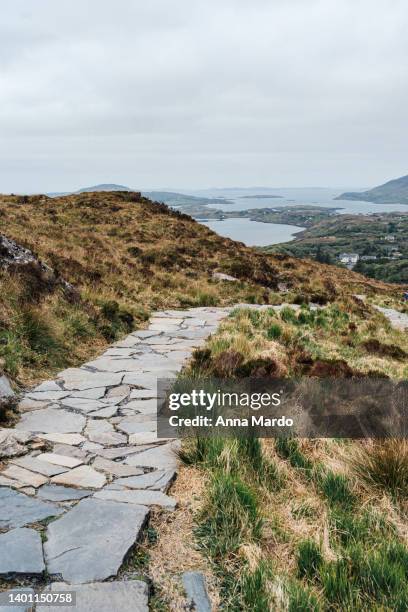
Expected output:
{"points": [[176, 551]]}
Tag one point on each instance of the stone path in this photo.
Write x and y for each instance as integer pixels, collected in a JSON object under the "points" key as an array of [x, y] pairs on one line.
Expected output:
{"points": [[399, 320], [85, 464]]}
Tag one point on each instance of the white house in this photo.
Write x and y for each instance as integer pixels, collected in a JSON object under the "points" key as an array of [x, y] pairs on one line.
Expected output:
{"points": [[349, 259]]}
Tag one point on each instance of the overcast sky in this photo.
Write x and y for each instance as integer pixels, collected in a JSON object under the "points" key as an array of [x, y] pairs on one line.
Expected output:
{"points": [[190, 93]]}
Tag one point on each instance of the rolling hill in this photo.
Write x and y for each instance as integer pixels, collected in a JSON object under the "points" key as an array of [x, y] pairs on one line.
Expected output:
{"points": [[121, 256], [392, 192]]}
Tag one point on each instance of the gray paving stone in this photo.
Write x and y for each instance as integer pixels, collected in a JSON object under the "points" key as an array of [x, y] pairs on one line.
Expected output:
{"points": [[81, 379], [48, 385], [50, 396], [60, 460], [115, 468], [142, 405], [145, 497], [145, 437], [196, 590], [27, 404], [90, 542], [131, 425], [141, 425], [21, 552], [17, 509], [51, 420], [82, 404], [26, 477], [96, 393], [35, 465], [102, 432], [124, 596], [160, 457], [119, 452], [84, 477], [158, 480], [104, 413], [59, 494], [72, 439]]}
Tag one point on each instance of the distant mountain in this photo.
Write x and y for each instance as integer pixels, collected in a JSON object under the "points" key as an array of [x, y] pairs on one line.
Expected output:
{"points": [[393, 192], [104, 187]]}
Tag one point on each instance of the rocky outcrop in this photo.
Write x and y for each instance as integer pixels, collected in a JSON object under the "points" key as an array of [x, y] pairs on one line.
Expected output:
{"points": [[15, 257]]}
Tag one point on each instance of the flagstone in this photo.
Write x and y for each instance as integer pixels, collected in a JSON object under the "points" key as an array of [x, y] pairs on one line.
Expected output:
{"points": [[103, 432], [57, 493], [27, 404], [84, 477], [90, 542], [104, 413], [48, 396], [125, 596], [145, 497], [21, 552], [95, 394], [163, 456], [145, 437], [26, 477], [132, 424], [61, 460], [80, 379], [32, 463], [82, 404], [17, 509], [51, 420], [72, 439], [158, 480], [115, 468]]}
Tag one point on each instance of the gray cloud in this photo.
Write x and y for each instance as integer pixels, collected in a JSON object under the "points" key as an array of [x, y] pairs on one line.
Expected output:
{"points": [[195, 94]]}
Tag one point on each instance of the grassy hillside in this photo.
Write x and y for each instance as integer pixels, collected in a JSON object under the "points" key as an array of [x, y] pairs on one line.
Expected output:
{"points": [[392, 192], [124, 256], [294, 524]]}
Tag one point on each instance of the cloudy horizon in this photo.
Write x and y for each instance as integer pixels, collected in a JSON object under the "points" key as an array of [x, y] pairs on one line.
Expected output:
{"points": [[197, 95]]}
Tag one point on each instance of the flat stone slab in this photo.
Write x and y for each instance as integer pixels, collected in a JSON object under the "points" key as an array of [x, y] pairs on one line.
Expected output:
{"points": [[196, 590], [27, 404], [96, 393], [80, 379], [145, 497], [84, 477], [26, 477], [59, 494], [47, 396], [82, 404], [144, 437], [21, 552], [32, 463], [133, 425], [158, 480], [51, 420], [104, 413], [17, 509], [102, 432], [126, 596], [71, 439], [115, 468], [159, 457], [119, 452], [60, 460], [90, 541]]}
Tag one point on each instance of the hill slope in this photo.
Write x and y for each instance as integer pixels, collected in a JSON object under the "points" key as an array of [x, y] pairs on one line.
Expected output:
{"points": [[392, 192], [125, 256]]}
